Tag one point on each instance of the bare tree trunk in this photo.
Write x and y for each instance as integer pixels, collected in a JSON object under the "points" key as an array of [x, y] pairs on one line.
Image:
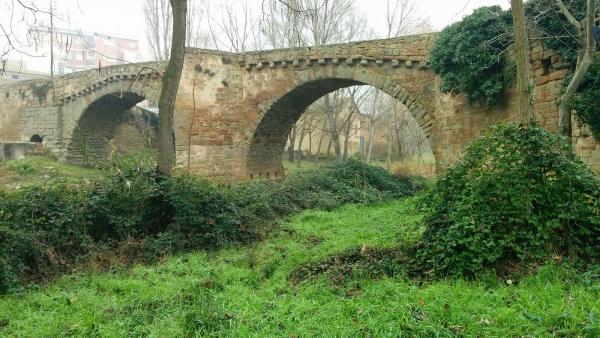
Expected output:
{"points": [[524, 107], [168, 94], [300, 142], [292, 146], [584, 61], [399, 143], [319, 145], [333, 128], [347, 131], [329, 148], [370, 142], [389, 147]]}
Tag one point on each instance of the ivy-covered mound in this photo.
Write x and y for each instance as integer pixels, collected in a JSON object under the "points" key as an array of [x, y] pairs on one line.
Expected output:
{"points": [[468, 55], [517, 195]]}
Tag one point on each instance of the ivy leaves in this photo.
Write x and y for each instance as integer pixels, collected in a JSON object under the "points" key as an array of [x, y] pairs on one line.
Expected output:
{"points": [[517, 194], [468, 55]]}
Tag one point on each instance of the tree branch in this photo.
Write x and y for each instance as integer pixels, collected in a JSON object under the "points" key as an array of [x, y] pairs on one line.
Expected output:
{"points": [[565, 11]]}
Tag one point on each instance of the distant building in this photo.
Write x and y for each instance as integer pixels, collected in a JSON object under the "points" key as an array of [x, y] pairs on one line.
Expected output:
{"points": [[76, 51]]}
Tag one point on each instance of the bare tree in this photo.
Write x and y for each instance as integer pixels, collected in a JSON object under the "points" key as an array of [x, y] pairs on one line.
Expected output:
{"points": [[373, 108], [292, 143], [233, 27], [159, 21], [196, 36], [281, 23], [20, 14], [585, 58], [170, 86], [402, 17], [357, 95]]}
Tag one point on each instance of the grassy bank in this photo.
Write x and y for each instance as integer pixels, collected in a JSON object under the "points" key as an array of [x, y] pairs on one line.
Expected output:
{"points": [[244, 291], [42, 170]]}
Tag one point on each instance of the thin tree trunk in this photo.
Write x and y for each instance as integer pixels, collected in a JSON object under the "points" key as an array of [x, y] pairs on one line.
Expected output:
{"points": [[309, 155], [347, 131], [329, 149], [333, 128], [584, 61], [300, 142], [370, 142], [319, 145], [168, 94], [524, 107], [292, 145], [400, 156], [389, 148]]}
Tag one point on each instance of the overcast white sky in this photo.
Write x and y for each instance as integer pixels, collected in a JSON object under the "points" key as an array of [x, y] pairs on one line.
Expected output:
{"points": [[126, 17]]}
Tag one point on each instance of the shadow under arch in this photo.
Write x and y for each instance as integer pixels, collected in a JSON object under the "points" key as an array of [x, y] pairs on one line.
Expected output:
{"points": [[267, 145], [89, 142]]}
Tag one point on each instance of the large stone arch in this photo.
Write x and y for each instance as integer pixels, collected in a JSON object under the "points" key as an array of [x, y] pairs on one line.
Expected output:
{"points": [[89, 140], [52, 108], [90, 117], [279, 114]]}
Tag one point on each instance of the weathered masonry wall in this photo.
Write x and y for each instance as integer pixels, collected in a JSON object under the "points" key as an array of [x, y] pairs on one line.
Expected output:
{"points": [[234, 111], [54, 109], [457, 121], [16, 151]]}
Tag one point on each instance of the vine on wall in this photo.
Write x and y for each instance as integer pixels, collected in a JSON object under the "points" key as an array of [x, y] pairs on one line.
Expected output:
{"points": [[469, 55]]}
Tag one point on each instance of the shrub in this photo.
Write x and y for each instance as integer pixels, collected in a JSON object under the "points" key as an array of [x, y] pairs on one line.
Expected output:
{"points": [[517, 194], [468, 55], [344, 182], [41, 228], [258, 207], [127, 203], [44, 230], [202, 212]]}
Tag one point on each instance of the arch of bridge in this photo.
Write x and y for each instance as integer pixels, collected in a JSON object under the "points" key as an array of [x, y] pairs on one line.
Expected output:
{"points": [[235, 110], [279, 114]]}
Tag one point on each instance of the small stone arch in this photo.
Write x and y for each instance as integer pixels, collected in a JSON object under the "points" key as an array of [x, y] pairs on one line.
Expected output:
{"points": [[35, 138], [277, 116]]}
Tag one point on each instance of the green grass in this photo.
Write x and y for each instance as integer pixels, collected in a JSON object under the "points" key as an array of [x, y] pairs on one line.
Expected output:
{"points": [[294, 167], [41, 169], [244, 291]]}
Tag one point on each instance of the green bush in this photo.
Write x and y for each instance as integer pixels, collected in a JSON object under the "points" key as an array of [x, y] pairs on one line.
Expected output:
{"points": [[340, 183], [517, 194], [201, 211], [468, 55], [128, 203], [41, 228], [44, 230]]}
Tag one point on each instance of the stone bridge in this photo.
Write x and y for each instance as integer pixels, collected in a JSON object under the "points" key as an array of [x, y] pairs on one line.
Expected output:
{"points": [[235, 111], [75, 115]]}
